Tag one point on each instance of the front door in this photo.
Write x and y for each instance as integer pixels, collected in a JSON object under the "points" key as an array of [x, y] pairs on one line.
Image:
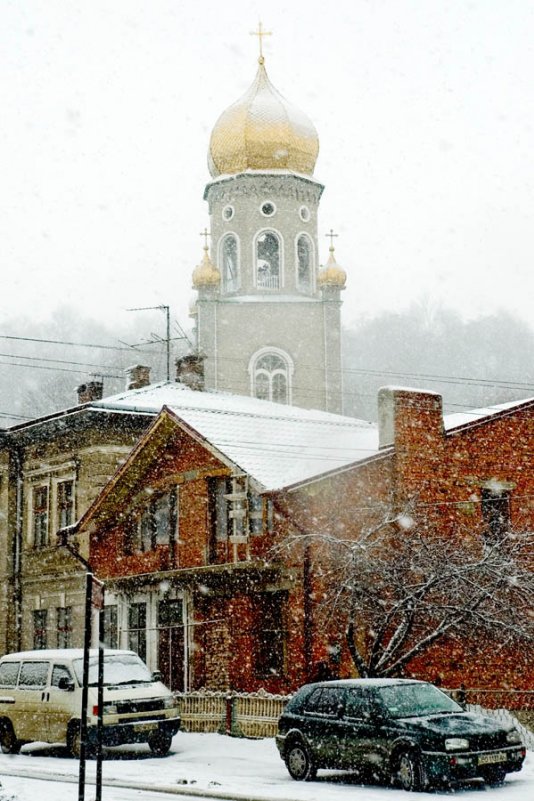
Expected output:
{"points": [[171, 643]]}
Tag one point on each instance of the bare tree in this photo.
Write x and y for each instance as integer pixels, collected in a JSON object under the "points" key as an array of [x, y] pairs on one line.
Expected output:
{"points": [[397, 588]]}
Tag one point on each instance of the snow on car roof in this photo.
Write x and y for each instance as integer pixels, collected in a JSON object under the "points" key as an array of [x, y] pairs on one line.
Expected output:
{"points": [[278, 445]]}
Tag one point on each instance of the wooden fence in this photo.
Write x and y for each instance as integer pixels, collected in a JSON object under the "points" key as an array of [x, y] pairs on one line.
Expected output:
{"points": [[256, 714], [238, 714]]}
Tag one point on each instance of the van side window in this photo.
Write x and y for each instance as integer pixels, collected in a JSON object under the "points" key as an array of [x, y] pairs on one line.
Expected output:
{"points": [[8, 674], [33, 674], [60, 672]]}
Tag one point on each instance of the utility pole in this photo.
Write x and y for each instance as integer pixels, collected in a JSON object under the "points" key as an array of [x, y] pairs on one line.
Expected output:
{"points": [[167, 340]]}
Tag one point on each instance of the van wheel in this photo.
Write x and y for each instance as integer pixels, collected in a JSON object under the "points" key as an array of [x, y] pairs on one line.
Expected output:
{"points": [[74, 742], [8, 742], [159, 743]]}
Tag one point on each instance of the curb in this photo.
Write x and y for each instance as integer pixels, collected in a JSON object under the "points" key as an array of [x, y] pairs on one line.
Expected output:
{"points": [[167, 789]]}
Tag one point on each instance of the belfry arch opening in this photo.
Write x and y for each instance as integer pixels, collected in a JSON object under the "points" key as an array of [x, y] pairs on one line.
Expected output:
{"points": [[268, 260]]}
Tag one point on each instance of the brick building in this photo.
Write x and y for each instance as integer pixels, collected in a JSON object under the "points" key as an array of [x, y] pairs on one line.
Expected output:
{"points": [[183, 534]]}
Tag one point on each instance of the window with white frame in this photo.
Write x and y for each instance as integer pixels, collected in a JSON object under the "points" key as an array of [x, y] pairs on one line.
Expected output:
{"points": [[304, 263], [271, 377], [268, 261], [229, 260]]}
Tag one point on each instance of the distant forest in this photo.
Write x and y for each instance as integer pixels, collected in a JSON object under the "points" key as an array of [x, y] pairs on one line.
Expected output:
{"points": [[472, 364]]}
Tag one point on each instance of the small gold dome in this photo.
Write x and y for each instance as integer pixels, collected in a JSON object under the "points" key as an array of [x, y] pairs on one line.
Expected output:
{"points": [[262, 131], [205, 273], [332, 274]]}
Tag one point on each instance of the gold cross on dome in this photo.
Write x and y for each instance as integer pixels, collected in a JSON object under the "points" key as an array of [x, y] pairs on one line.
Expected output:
{"points": [[205, 233], [332, 236], [260, 33]]}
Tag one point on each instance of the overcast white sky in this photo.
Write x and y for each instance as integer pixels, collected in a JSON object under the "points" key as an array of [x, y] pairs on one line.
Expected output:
{"points": [[424, 108]]}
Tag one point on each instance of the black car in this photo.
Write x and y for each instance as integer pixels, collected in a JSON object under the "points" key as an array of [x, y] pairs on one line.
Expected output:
{"points": [[406, 731]]}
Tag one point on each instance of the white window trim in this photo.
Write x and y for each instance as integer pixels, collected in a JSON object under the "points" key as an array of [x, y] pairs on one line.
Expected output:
{"points": [[220, 250], [277, 352], [313, 271], [281, 277]]}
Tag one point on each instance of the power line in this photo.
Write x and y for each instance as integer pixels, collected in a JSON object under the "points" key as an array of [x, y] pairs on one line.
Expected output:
{"points": [[57, 361], [66, 342], [60, 369]]}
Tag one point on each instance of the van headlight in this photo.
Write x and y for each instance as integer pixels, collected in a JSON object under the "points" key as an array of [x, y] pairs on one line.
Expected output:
{"points": [[169, 703], [456, 744], [109, 709], [513, 737]]}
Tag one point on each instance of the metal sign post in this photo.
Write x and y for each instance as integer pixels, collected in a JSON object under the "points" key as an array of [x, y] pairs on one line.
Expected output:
{"points": [[94, 599]]}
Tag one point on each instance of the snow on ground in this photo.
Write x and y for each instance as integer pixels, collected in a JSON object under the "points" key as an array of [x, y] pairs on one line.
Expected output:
{"points": [[211, 765]]}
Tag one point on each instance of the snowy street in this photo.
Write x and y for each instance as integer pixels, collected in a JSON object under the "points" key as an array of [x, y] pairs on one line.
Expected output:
{"points": [[208, 766]]}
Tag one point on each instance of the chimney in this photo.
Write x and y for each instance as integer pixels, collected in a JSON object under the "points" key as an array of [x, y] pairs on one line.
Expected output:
{"points": [[137, 376], [190, 371], [409, 417], [92, 391]]}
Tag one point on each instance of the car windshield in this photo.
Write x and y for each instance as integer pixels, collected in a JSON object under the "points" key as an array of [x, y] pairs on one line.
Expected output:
{"points": [[118, 669], [416, 700]]}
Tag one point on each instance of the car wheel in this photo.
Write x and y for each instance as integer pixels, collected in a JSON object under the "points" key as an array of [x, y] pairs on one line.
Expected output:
{"points": [[8, 742], [408, 772], [494, 777], [159, 743], [299, 763]]}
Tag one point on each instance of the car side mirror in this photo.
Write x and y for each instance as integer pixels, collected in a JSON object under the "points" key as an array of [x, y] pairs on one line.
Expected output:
{"points": [[157, 676], [66, 684]]}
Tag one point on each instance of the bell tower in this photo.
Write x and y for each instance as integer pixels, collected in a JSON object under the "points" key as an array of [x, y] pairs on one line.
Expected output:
{"points": [[267, 317]]}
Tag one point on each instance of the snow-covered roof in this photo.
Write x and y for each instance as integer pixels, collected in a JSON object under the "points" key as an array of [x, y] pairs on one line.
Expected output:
{"points": [[277, 445], [461, 419]]}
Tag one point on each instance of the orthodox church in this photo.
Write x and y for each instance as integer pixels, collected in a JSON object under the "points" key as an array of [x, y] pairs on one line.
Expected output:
{"points": [[267, 317]]}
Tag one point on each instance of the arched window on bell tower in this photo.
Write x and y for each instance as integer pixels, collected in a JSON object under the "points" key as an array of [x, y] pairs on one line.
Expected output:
{"points": [[229, 263], [304, 263], [268, 260], [270, 372]]}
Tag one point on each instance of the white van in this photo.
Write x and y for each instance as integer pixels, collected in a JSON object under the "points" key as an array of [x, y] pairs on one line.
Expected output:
{"points": [[41, 700]]}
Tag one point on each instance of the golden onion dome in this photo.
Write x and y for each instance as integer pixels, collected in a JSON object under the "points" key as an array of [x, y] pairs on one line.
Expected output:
{"points": [[205, 273], [332, 274], [262, 131]]}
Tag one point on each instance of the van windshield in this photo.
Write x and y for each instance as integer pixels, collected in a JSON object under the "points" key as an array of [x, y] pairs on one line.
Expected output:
{"points": [[118, 669]]}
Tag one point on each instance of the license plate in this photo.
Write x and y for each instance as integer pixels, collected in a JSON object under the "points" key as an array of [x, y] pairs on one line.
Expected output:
{"points": [[145, 726], [491, 759]]}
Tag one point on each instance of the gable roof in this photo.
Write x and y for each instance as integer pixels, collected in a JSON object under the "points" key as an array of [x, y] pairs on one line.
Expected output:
{"points": [[276, 445]]}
